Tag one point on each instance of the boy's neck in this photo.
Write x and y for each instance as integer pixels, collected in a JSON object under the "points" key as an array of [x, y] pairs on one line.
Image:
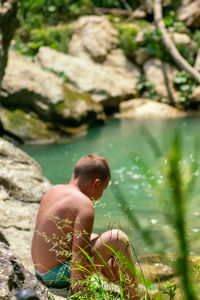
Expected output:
{"points": [[83, 187]]}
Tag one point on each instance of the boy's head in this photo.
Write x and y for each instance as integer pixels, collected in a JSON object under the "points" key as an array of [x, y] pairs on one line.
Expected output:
{"points": [[91, 167]]}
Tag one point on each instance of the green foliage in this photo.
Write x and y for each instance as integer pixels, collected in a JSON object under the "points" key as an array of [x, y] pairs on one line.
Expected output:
{"points": [[154, 44], [54, 37], [52, 10], [127, 41], [186, 52], [170, 290], [146, 88], [186, 85], [61, 74], [196, 38], [172, 24]]}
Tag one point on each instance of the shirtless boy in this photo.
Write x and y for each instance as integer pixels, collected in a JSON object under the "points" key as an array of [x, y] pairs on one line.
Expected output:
{"points": [[64, 227]]}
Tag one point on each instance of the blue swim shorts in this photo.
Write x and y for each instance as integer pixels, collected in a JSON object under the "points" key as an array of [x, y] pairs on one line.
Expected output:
{"points": [[58, 277]]}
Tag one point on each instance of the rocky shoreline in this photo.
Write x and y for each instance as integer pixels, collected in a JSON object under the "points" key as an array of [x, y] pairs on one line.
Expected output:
{"points": [[57, 95]]}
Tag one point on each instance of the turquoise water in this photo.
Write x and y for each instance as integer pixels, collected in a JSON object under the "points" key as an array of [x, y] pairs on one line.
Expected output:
{"points": [[123, 143]]}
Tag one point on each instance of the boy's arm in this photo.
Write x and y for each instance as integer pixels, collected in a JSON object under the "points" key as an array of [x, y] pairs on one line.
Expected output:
{"points": [[81, 240]]}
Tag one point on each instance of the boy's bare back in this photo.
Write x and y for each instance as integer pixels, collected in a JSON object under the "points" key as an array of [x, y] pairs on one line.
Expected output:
{"points": [[64, 213]]}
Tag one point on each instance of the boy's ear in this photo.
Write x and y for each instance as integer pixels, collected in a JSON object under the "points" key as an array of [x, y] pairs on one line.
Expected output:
{"points": [[96, 182]]}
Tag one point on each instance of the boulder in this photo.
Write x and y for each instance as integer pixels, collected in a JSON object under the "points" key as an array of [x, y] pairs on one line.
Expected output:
{"points": [[14, 277], [109, 83], [144, 108], [29, 87], [161, 75], [184, 40], [20, 176], [190, 13], [94, 37], [22, 186], [78, 108], [196, 95], [8, 24], [26, 127]]}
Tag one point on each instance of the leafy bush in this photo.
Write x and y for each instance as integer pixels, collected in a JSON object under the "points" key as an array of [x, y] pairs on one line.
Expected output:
{"points": [[127, 41], [196, 38], [172, 24], [54, 37], [146, 88], [186, 52], [154, 44], [186, 85]]}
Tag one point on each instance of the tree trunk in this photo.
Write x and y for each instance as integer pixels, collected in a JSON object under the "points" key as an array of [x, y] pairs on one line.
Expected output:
{"points": [[8, 24], [179, 60]]}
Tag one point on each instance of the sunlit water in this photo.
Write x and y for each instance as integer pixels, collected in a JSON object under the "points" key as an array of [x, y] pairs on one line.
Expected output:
{"points": [[124, 143]]}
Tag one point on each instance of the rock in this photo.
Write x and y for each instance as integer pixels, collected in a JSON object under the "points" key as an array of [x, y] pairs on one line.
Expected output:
{"points": [[184, 39], [144, 108], [185, 45], [94, 37], [22, 186], [14, 277], [78, 108], [161, 75], [26, 294], [141, 56], [190, 14], [20, 176], [109, 83], [196, 95], [29, 86], [26, 127], [3, 239], [8, 24], [157, 272]]}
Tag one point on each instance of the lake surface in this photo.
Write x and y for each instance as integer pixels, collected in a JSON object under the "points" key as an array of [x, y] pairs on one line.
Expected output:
{"points": [[124, 143]]}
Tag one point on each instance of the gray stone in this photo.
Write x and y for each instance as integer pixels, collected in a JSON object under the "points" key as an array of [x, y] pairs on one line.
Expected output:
{"points": [[28, 85], [110, 83], [14, 277], [161, 75], [94, 37], [26, 126], [196, 95], [144, 108], [20, 176], [189, 13]]}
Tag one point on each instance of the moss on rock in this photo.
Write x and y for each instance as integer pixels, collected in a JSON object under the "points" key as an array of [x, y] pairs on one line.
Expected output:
{"points": [[27, 127], [78, 108]]}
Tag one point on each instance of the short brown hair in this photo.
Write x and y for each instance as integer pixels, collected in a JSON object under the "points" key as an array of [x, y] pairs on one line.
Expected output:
{"points": [[92, 166]]}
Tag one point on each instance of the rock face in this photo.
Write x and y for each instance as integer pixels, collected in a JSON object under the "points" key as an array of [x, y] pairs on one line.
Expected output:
{"points": [[190, 13], [14, 277], [26, 127], [21, 188], [28, 87], [109, 83], [8, 24], [94, 37], [162, 75], [21, 177], [144, 108]]}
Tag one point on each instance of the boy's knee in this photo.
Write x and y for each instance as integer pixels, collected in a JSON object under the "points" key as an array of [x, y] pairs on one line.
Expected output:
{"points": [[119, 235]]}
